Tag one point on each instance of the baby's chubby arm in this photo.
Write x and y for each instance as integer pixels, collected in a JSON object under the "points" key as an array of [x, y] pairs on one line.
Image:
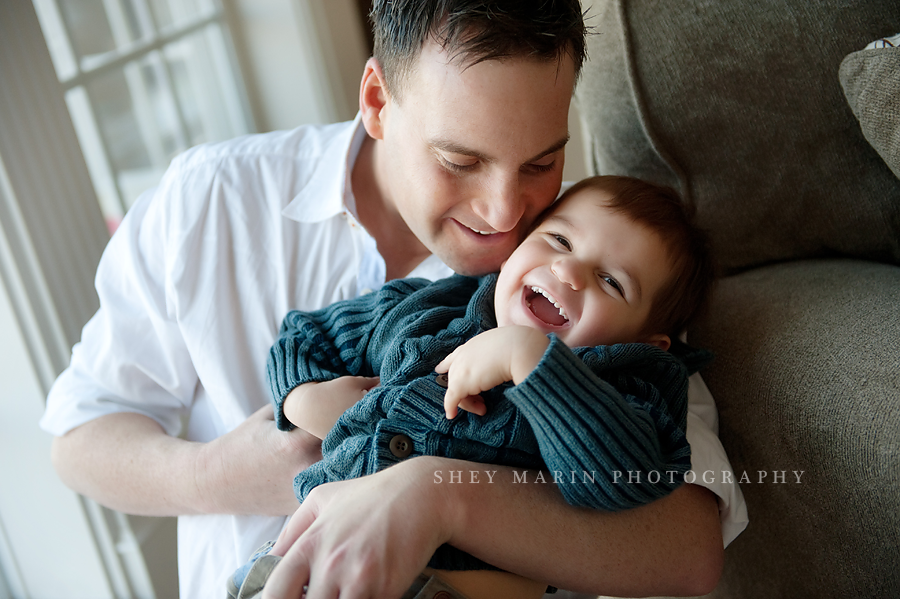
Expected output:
{"points": [[316, 407], [503, 354]]}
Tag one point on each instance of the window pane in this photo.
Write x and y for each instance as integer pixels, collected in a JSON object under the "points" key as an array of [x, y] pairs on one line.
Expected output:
{"points": [[200, 90], [88, 26], [167, 13], [161, 13], [132, 120], [137, 123], [115, 111]]}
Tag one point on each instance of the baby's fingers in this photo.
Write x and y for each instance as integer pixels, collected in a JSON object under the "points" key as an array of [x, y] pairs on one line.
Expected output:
{"points": [[470, 403], [451, 402], [444, 365], [474, 404]]}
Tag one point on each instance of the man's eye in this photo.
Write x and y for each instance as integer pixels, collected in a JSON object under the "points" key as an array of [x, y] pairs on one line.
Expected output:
{"points": [[541, 168], [456, 167]]}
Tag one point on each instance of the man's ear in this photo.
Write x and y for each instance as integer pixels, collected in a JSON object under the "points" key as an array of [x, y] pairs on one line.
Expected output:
{"points": [[661, 341], [373, 99]]}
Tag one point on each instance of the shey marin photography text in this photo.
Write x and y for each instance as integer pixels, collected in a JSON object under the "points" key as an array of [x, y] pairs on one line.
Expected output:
{"points": [[627, 477]]}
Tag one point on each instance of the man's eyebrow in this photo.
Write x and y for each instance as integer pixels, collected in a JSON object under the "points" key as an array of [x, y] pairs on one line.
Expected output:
{"points": [[554, 148], [453, 147]]}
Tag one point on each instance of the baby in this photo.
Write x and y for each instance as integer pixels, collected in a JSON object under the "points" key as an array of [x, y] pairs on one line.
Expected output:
{"points": [[567, 361]]}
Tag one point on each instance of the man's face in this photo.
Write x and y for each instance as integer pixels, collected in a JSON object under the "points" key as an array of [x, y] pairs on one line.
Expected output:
{"points": [[586, 273], [470, 156]]}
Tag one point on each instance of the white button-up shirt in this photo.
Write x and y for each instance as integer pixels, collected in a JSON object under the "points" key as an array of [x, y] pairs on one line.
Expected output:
{"points": [[194, 285]]}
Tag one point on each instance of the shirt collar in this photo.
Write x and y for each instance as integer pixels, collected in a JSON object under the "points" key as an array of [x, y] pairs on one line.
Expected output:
{"points": [[327, 193]]}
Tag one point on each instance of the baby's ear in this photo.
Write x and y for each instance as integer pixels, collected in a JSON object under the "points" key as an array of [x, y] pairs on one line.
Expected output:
{"points": [[661, 341]]}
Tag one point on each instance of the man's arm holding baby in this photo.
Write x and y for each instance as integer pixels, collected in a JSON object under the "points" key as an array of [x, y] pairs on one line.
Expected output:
{"points": [[672, 546], [371, 536], [127, 462]]}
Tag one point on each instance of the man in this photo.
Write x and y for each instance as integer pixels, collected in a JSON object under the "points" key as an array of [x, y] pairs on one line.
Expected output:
{"points": [[458, 147]]}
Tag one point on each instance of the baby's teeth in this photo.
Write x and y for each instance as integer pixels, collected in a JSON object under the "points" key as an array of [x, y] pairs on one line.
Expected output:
{"points": [[556, 304]]}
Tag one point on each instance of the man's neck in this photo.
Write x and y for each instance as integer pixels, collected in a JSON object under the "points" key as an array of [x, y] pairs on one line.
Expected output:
{"points": [[401, 249]]}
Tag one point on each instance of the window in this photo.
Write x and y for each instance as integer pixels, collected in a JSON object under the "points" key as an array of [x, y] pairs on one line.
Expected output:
{"points": [[143, 80]]}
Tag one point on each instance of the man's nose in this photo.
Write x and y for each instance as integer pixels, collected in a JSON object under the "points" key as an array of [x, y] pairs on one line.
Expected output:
{"points": [[570, 272], [502, 205]]}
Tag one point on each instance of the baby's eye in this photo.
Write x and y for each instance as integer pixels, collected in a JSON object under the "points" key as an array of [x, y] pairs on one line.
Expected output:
{"points": [[613, 283], [562, 241]]}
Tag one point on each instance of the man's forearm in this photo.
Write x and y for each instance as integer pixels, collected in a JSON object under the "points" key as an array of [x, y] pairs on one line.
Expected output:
{"points": [[127, 462], [670, 547]]}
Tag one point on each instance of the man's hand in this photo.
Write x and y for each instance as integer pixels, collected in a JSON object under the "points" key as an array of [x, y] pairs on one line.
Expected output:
{"points": [[487, 360], [251, 469], [367, 537], [127, 462], [370, 537], [316, 407]]}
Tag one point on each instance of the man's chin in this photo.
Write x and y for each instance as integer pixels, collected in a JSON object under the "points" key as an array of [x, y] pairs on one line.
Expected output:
{"points": [[473, 267]]}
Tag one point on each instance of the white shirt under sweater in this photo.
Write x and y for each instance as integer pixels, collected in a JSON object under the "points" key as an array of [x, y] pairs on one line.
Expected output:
{"points": [[194, 285]]}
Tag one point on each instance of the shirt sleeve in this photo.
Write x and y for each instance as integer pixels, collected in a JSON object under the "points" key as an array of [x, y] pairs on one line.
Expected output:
{"points": [[609, 449], [325, 344], [132, 357], [710, 467]]}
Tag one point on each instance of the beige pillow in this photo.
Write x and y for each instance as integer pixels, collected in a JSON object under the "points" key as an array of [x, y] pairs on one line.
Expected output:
{"points": [[871, 82]]}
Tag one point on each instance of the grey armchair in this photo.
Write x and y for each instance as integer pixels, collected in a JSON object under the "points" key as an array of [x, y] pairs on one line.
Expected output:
{"points": [[739, 105]]}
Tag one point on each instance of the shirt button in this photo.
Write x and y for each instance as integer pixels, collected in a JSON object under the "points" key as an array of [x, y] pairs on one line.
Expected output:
{"points": [[401, 446], [443, 380], [366, 291]]}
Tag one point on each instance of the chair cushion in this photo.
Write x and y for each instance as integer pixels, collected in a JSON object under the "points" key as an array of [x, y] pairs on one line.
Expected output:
{"points": [[807, 378], [739, 106]]}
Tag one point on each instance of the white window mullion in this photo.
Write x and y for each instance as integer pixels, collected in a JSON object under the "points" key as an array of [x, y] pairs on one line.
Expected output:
{"points": [[96, 154], [164, 76], [57, 38], [137, 88]]}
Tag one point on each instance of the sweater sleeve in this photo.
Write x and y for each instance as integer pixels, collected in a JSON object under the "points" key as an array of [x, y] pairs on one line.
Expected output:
{"points": [[610, 422], [329, 343]]}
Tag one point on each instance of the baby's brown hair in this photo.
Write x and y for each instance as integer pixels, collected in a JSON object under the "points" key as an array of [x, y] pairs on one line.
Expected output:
{"points": [[660, 209]]}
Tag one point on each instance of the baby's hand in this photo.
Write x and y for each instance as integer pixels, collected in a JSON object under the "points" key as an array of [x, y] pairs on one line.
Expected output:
{"points": [[487, 360]]}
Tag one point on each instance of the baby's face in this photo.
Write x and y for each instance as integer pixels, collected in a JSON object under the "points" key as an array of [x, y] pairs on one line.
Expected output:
{"points": [[586, 273]]}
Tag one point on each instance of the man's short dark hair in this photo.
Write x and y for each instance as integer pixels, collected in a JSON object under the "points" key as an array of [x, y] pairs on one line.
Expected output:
{"points": [[472, 31]]}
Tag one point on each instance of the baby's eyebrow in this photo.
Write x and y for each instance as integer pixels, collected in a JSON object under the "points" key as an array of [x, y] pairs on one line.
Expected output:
{"points": [[556, 217]]}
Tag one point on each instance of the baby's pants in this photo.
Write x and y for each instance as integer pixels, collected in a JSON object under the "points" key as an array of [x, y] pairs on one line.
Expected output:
{"points": [[248, 581]]}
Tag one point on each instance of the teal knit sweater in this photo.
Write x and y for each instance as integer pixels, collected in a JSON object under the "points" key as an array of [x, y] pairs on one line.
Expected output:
{"points": [[583, 413]]}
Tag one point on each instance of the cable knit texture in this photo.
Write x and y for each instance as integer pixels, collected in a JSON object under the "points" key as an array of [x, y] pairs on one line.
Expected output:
{"points": [[582, 414]]}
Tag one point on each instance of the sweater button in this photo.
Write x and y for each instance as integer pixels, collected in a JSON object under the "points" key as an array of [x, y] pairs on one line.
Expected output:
{"points": [[401, 446], [443, 380]]}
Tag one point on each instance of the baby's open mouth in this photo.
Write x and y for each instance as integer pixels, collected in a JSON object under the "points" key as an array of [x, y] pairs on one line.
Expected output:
{"points": [[545, 307]]}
